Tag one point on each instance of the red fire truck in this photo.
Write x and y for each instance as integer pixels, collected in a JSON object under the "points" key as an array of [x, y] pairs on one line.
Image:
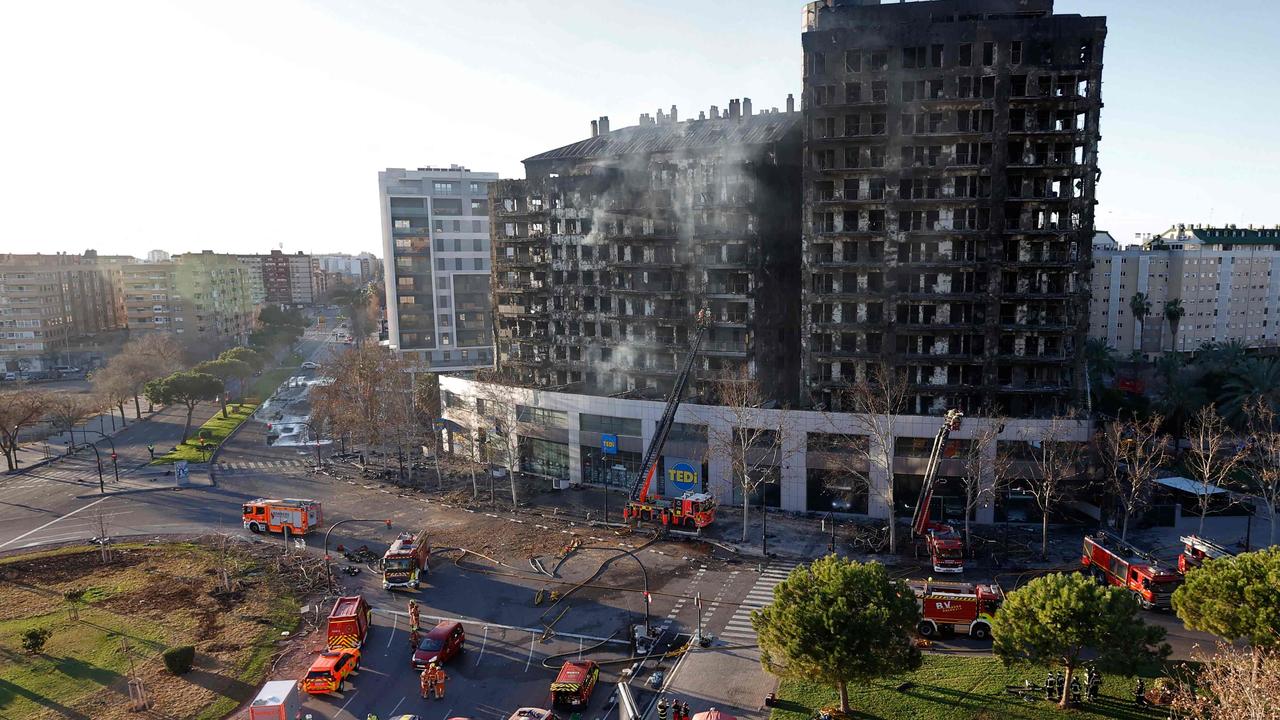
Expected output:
{"points": [[1195, 550], [349, 622], [946, 547], [1110, 560], [405, 560], [947, 607]]}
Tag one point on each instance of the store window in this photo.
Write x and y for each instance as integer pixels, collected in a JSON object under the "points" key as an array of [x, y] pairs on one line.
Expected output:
{"points": [[609, 424], [620, 470], [835, 491], [948, 497], [767, 487], [544, 457], [542, 417]]}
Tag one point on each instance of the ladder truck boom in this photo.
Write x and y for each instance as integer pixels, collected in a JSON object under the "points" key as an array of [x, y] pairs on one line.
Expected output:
{"points": [[649, 465], [696, 509], [946, 549]]}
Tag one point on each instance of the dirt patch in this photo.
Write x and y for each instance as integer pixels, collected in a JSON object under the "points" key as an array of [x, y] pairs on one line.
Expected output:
{"points": [[163, 596]]}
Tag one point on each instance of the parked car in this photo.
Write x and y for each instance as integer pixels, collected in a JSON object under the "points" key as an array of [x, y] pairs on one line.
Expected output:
{"points": [[9, 377], [443, 642], [65, 370], [308, 365]]}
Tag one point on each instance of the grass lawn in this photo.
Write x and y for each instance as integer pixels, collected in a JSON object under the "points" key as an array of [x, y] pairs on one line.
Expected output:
{"points": [[218, 428], [152, 598], [956, 688]]}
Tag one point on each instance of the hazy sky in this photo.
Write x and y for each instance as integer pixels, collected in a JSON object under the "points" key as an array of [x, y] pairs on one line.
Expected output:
{"points": [[242, 126]]}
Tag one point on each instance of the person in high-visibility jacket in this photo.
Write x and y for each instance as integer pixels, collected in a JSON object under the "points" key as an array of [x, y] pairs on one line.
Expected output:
{"points": [[439, 684], [426, 682]]}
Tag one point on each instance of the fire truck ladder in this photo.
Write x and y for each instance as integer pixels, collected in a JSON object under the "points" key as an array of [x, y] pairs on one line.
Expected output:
{"points": [[1115, 544], [640, 489], [920, 524], [1211, 550]]}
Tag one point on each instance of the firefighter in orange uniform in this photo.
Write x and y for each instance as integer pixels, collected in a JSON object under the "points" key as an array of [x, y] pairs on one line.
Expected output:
{"points": [[426, 682], [439, 686]]}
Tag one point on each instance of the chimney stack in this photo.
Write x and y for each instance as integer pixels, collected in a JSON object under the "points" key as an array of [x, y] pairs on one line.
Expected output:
{"points": [[604, 124], [735, 109], [715, 112], [662, 119], [746, 107], [702, 114], [674, 117], [595, 130], [791, 103]]}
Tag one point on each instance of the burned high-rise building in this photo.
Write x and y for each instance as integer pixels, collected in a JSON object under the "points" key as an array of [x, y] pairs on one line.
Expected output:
{"points": [[949, 173], [608, 249]]}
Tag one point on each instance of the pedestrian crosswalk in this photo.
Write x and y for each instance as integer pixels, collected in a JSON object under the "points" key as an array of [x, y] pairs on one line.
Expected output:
{"points": [[245, 466], [738, 629]]}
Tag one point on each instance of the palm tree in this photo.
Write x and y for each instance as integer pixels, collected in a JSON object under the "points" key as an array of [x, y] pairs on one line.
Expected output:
{"points": [[1140, 305], [1173, 312], [1182, 397], [1255, 378]]}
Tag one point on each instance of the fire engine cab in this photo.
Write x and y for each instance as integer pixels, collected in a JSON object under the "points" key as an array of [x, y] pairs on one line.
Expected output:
{"points": [[297, 517], [956, 607], [1110, 560], [405, 560]]}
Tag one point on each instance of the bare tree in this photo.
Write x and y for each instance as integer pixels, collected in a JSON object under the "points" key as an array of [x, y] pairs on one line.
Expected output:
{"points": [[1132, 451], [369, 400], [1262, 460], [67, 410], [1212, 457], [18, 410], [751, 443], [1056, 461], [876, 401], [494, 415], [145, 359], [987, 467], [1235, 682], [115, 387]]}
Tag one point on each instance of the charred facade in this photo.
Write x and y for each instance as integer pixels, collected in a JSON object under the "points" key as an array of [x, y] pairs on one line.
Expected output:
{"points": [[949, 174], [604, 254]]}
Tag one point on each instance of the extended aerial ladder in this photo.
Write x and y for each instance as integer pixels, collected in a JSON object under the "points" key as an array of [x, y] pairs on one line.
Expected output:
{"points": [[1195, 550], [946, 548], [691, 508]]}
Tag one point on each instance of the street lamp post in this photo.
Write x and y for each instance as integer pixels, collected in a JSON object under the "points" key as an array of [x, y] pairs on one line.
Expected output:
{"points": [[328, 572], [114, 466], [102, 486]]}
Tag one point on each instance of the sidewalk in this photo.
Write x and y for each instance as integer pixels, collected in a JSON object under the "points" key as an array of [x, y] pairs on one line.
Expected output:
{"points": [[729, 680], [55, 446]]}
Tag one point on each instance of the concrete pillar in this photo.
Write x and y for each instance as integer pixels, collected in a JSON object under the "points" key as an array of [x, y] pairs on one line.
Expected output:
{"points": [[985, 512], [881, 479], [575, 450], [792, 474]]}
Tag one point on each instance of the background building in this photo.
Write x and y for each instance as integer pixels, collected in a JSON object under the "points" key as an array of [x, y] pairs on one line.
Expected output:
{"points": [[56, 309], [1224, 279], [951, 158], [202, 297], [435, 238], [606, 252]]}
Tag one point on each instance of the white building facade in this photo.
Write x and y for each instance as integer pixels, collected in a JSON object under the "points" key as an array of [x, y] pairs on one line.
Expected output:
{"points": [[436, 260], [1224, 278], [562, 437]]}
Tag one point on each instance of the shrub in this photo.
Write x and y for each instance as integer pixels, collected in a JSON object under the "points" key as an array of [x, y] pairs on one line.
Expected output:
{"points": [[74, 596], [179, 659], [33, 639]]}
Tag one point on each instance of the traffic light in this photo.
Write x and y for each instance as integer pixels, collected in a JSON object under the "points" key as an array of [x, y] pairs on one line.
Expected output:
{"points": [[113, 456]]}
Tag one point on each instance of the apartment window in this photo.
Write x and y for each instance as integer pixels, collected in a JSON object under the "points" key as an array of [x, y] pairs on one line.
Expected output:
{"points": [[457, 226], [443, 188], [913, 57], [965, 56], [401, 224], [440, 264], [1015, 52], [476, 188], [879, 91], [853, 61], [457, 263], [479, 263], [935, 56], [457, 245], [541, 417], [853, 92], [442, 282], [446, 339], [444, 320], [988, 53], [477, 226], [443, 302], [875, 155], [852, 125], [879, 61], [439, 226]]}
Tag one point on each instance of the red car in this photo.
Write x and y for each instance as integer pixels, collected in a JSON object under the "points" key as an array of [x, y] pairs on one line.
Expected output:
{"points": [[443, 642]]}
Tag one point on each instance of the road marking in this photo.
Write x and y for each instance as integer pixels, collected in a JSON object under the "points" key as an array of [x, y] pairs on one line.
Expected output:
{"points": [[532, 637], [535, 631], [394, 619], [483, 643], [448, 715], [32, 532], [348, 702], [397, 707]]}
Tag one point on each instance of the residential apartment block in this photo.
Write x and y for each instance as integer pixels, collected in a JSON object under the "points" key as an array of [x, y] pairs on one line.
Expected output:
{"points": [[48, 303], [280, 278], [202, 297], [1226, 279], [606, 252], [950, 165], [436, 259]]}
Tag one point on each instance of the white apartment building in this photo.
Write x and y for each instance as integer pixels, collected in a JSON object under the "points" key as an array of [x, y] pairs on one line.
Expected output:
{"points": [[435, 239], [1223, 277]]}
